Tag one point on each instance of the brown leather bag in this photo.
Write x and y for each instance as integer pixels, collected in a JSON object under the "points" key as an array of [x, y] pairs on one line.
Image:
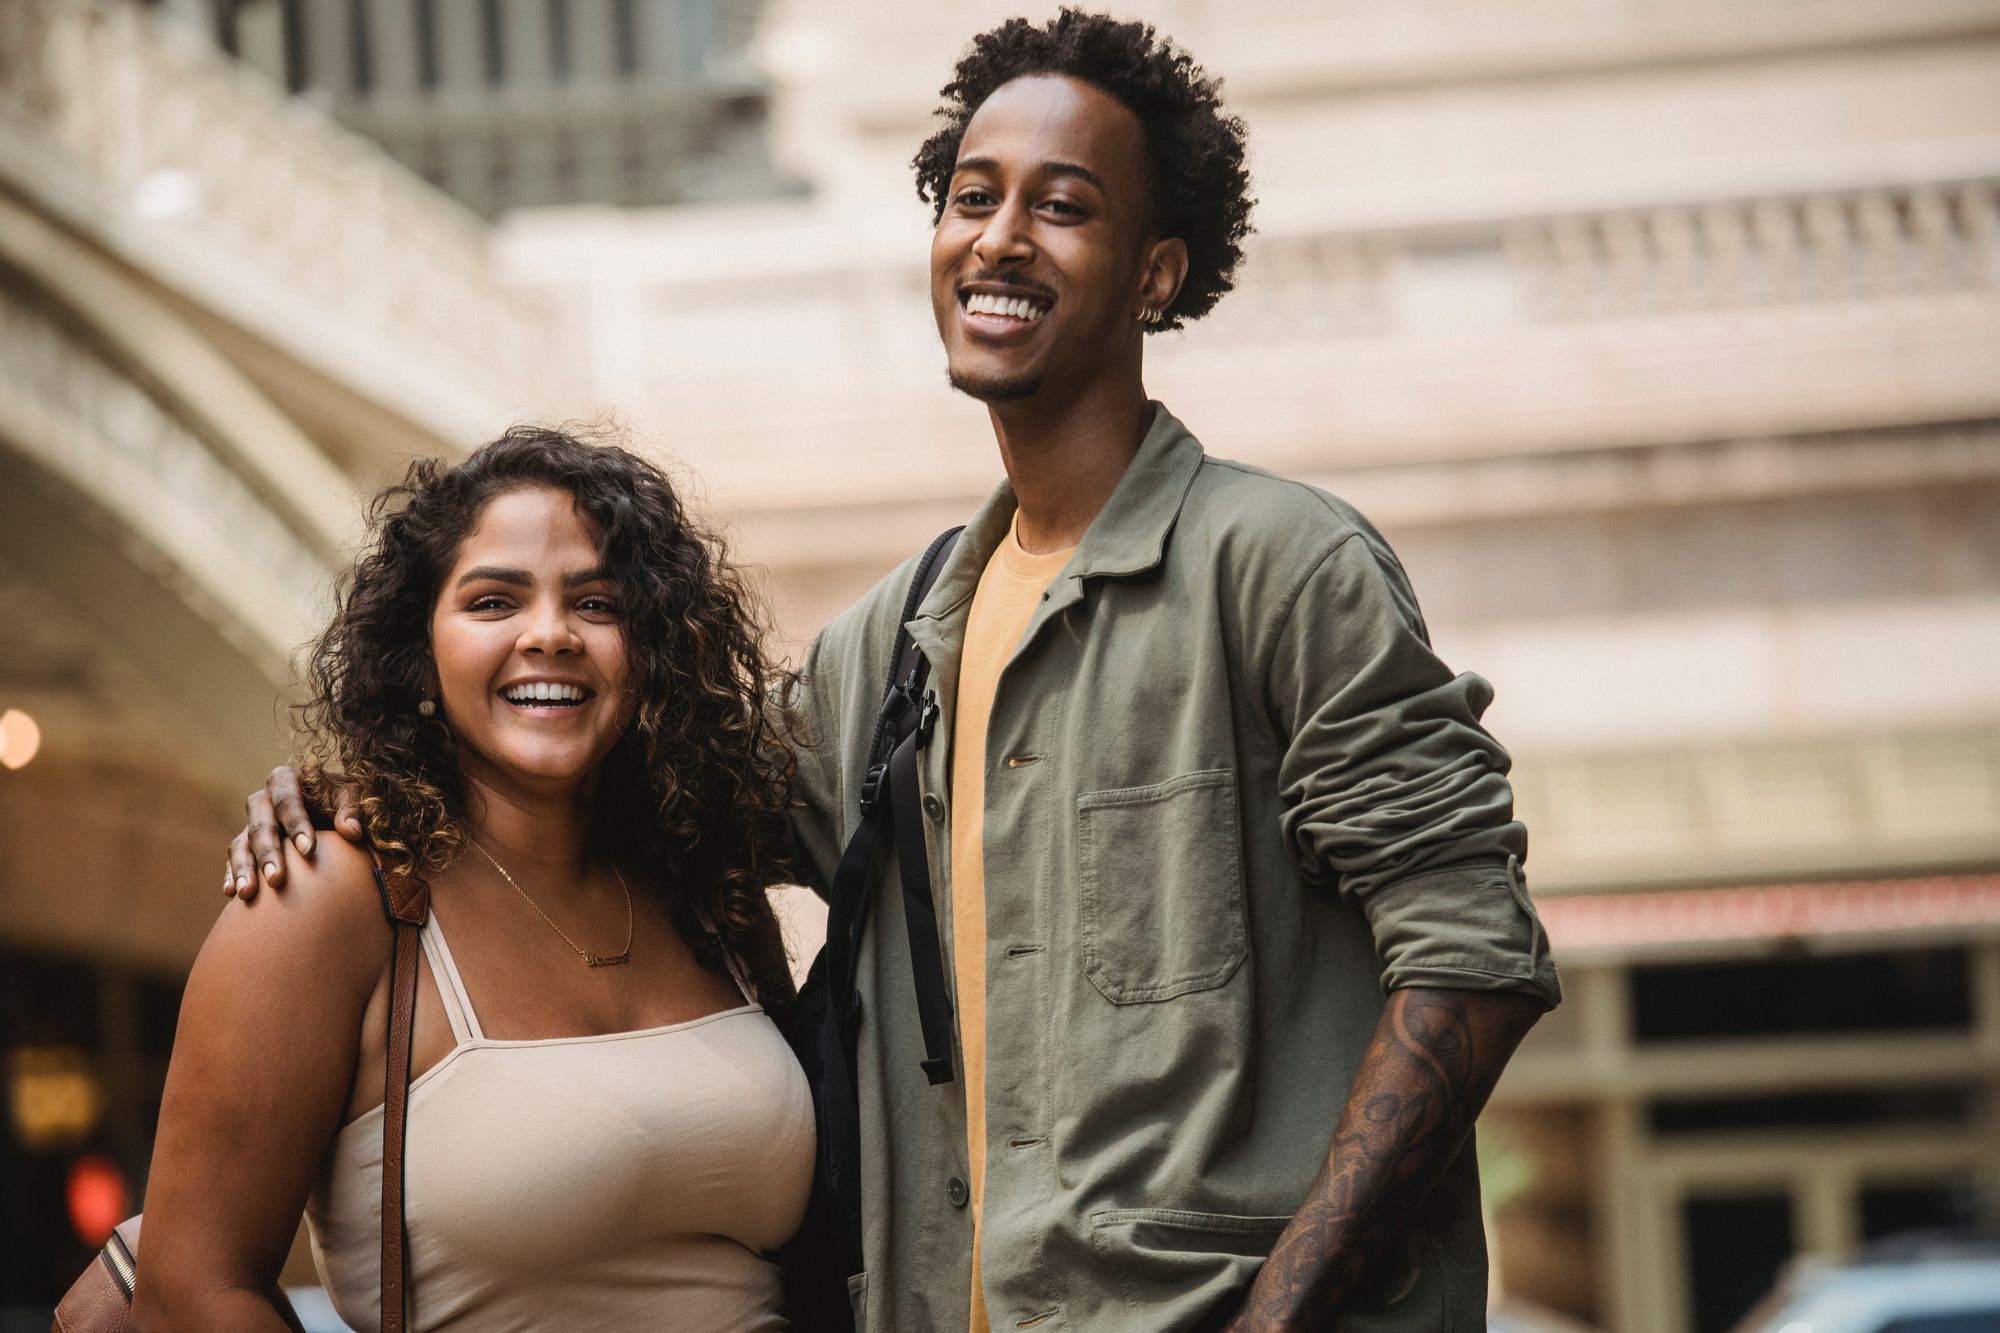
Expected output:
{"points": [[100, 1301]]}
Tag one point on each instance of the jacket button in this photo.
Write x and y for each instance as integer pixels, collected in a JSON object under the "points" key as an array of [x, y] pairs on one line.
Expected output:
{"points": [[933, 807], [955, 1190]]}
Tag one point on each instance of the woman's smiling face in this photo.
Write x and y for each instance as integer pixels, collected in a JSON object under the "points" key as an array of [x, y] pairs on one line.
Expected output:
{"points": [[528, 640]]}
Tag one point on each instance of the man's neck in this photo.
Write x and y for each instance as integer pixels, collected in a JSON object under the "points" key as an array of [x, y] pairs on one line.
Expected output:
{"points": [[1064, 459]]}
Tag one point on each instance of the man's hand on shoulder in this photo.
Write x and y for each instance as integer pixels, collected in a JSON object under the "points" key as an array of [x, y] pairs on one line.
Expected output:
{"points": [[276, 814]]}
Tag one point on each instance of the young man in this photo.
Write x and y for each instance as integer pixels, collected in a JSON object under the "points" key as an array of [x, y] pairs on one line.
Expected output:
{"points": [[1226, 867]]}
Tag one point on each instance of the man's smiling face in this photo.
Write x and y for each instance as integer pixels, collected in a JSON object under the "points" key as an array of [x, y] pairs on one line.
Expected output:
{"points": [[1038, 257]]}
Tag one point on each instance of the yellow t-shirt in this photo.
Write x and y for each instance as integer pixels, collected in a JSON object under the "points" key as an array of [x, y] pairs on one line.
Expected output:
{"points": [[1009, 591]]}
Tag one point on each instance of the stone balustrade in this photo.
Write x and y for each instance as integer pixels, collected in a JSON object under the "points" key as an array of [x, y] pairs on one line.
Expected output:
{"points": [[1878, 243], [262, 208]]}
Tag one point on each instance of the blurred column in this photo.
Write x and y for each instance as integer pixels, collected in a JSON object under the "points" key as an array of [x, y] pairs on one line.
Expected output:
{"points": [[198, 13], [328, 39], [391, 54], [260, 42], [1827, 1219], [662, 41], [526, 71], [593, 68], [460, 65]]}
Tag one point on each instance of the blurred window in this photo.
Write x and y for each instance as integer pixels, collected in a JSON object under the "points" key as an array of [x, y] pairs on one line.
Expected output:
{"points": [[83, 1059], [1735, 1247], [1905, 990], [1943, 1206], [1966, 1321], [1950, 1104]]}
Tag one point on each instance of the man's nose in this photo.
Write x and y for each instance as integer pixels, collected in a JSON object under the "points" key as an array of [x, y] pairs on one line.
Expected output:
{"points": [[1004, 241]]}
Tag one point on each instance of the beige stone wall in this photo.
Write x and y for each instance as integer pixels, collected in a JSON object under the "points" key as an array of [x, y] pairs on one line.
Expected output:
{"points": [[1659, 339]]}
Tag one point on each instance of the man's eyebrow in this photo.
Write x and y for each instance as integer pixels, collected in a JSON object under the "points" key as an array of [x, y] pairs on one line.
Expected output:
{"points": [[520, 578], [1047, 169], [1072, 169]]}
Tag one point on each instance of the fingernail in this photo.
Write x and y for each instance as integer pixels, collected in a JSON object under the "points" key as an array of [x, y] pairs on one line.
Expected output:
{"points": [[242, 883], [270, 869], [303, 843]]}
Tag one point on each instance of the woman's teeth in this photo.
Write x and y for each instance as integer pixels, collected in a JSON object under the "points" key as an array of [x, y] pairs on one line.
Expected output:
{"points": [[543, 692]]}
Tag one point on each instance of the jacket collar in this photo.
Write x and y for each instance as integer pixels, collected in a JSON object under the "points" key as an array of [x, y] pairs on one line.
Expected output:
{"points": [[1128, 537]]}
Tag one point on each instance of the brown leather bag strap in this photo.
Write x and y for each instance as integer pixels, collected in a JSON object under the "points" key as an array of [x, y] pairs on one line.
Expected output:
{"points": [[407, 909]]}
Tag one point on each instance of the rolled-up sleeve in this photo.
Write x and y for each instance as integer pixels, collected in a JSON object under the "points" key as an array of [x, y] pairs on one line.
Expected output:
{"points": [[1393, 792]]}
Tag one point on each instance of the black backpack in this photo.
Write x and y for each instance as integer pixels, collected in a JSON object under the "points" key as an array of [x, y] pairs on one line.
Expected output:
{"points": [[825, 1020]]}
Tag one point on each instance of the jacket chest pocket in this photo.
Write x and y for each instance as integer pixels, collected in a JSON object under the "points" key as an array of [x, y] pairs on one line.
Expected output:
{"points": [[1162, 887]]}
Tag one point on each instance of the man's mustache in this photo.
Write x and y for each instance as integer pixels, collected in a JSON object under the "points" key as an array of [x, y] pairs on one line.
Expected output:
{"points": [[1013, 282]]}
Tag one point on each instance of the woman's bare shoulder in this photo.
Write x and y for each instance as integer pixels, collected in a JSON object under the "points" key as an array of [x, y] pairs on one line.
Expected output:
{"points": [[329, 916]]}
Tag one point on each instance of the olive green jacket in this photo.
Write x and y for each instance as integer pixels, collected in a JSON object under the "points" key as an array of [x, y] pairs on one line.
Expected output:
{"points": [[1231, 799]]}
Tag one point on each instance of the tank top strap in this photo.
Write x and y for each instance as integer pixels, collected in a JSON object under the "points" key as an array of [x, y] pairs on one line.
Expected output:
{"points": [[736, 973], [743, 986], [450, 986]]}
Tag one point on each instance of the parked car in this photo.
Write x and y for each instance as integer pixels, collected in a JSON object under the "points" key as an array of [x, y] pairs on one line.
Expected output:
{"points": [[1915, 1284]]}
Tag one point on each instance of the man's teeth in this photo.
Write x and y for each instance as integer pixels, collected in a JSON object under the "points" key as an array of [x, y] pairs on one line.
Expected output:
{"points": [[542, 691], [1014, 307]]}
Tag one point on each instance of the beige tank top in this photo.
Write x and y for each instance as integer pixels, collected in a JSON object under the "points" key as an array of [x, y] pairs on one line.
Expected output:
{"points": [[634, 1180]]}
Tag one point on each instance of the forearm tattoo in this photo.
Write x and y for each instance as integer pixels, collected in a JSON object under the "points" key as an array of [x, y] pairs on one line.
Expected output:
{"points": [[1434, 1059]]}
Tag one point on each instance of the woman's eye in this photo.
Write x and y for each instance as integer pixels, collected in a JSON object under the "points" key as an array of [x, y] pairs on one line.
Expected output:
{"points": [[490, 602], [972, 199], [600, 605], [1063, 207]]}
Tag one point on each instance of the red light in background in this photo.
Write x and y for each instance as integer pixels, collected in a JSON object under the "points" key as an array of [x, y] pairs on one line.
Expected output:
{"points": [[98, 1198]]}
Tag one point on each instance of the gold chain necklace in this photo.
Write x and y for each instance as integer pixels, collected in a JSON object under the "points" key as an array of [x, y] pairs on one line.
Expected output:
{"points": [[624, 955]]}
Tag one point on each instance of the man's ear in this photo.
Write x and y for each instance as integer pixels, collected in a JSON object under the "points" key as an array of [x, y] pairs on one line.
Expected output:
{"points": [[1164, 271]]}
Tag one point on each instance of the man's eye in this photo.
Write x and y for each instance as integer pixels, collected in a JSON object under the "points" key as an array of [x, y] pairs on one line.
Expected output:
{"points": [[1063, 207], [972, 199]]}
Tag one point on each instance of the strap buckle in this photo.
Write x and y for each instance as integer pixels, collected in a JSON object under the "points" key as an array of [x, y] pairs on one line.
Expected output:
{"points": [[871, 789]]}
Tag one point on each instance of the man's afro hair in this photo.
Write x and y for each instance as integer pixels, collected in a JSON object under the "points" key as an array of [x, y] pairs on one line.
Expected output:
{"points": [[1194, 149]]}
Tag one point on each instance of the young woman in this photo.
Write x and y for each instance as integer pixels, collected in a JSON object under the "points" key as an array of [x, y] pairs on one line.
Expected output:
{"points": [[548, 696]]}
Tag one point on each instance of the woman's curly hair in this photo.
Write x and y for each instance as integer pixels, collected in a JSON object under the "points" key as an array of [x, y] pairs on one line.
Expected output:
{"points": [[695, 789], [1194, 149]]}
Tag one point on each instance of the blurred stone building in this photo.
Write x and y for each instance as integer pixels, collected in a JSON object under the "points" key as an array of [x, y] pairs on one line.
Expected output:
{"points": [[1663, 340]]}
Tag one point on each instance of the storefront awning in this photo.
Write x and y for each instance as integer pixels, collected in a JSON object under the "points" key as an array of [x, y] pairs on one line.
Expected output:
{"points": [[1655, 919]]}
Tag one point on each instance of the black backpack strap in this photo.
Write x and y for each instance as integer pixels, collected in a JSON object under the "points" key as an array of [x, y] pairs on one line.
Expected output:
{"points": [[888, 800], [902, 715], [919, 907]]}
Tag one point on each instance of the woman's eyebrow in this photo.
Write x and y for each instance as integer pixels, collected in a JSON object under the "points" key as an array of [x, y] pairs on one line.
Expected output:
{"points": [[521, 578], [494, 574]]}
